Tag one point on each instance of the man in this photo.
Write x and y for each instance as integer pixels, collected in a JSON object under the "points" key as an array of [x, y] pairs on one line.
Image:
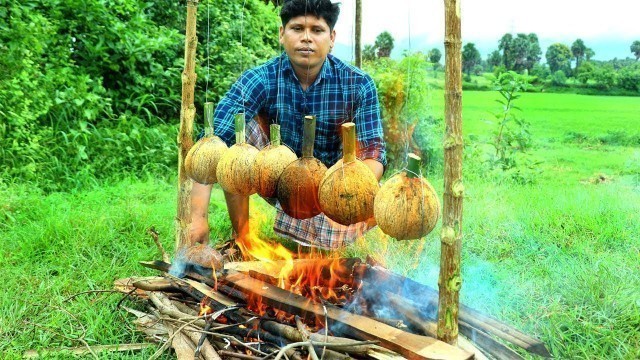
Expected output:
{"points": [[304, 80]]}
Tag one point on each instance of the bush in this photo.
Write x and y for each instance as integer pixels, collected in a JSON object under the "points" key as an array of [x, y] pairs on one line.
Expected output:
{"points": [[85, 83], [403, 93], [559, 78], [629, 79]]}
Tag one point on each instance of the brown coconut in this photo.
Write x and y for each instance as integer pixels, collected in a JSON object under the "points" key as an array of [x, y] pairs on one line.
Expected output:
{"points": [[298, 185], [235, 168], [348, 189], [203, 157], [270, 163], [407, 206]]}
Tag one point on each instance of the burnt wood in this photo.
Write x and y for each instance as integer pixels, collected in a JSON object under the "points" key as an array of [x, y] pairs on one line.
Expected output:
{"points": [[411, 346]]}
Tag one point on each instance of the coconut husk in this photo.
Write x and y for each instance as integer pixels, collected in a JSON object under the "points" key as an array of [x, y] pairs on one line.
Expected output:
{"points": [[235, 168], [298, 185], [270, 163], [407, 206], [348, 189]]}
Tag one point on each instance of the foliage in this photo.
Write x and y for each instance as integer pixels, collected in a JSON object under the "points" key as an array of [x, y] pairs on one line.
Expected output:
{"points": [[369, 53], [559, 58], [79, 84], [403, 93], [384, 44], [559, 78], [520, 53], [629, 78], [470, 58], [434, 57], [635, 49], [512, 137], [494, 60], [578, 49]]}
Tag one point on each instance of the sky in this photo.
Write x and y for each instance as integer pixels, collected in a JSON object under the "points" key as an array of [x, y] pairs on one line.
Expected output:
{"points": [[608, 27]]}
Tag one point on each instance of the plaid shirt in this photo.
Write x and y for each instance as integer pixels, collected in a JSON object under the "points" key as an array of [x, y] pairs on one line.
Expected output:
{"points": [[340, 93]]}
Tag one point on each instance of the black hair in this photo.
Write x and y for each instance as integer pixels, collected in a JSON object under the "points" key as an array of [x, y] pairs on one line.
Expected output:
{"points": [[322, 9]]}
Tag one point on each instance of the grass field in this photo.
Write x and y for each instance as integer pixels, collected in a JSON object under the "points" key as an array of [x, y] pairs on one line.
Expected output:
{"points": [[559, 259]]}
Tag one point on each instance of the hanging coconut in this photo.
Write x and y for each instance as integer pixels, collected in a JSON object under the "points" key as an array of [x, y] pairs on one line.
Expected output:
{"points": [[270, 163], [298, 184], [203, 157], [349, 187], [235, 168], [407, 206]]}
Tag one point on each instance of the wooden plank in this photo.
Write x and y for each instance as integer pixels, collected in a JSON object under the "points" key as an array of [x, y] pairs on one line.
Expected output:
{"points": [[470, 319], [411, 346]]}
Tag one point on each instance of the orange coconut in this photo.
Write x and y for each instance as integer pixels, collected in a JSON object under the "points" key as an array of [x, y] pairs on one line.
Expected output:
{"points": [[349, 187], [407, 206], [298, 184], [235, 168], [270, 163], [203, 157]]}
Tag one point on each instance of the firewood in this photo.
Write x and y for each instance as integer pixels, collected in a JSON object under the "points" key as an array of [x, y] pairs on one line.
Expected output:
{"points": [[409, 345], [164, 304]]}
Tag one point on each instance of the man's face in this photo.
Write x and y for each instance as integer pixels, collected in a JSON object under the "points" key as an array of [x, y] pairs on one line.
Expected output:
{"points": [[307, 40]]}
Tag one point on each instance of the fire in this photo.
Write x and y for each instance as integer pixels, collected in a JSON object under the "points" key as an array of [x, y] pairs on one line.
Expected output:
{"points": [[320, 277]]}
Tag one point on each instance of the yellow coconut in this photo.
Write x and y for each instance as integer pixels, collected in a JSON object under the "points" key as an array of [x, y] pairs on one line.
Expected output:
{"points": [[298, 184], [348, 189], [235, 168], [407, 206], [203, 157], [270, 163]]}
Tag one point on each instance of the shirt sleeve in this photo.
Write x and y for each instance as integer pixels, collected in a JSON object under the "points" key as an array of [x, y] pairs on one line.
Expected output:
{"points": [[371, 143], [246, 95]]}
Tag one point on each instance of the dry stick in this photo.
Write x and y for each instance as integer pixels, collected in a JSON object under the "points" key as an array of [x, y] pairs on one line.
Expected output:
{"points": [[164, 305], [238, 355], [305, 336], [90, 292], [154, 235], [81, 351]]}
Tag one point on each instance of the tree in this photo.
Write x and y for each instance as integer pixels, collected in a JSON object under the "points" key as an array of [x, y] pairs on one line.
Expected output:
{"points": [[558, 57], [470, 58], [578, 49], [635, 49], [504, 45], [494, 60], [519, 52], [434, 56], [384, 44], [369, 53], [535, 52], [589, 53]]}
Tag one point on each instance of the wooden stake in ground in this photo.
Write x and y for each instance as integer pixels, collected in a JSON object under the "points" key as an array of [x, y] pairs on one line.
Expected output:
{"points": [[185, 140], [450, 281], [358, 36]]}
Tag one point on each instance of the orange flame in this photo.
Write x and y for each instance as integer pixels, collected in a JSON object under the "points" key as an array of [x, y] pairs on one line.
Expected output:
{"points": [[316, 276]]}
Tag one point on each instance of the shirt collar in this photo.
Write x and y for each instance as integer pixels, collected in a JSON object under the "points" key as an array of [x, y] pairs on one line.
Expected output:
{"points": [[325, 72]]}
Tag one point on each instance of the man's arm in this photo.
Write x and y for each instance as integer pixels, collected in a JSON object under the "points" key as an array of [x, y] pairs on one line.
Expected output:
{"points": [[238, 208], [200, 197]]}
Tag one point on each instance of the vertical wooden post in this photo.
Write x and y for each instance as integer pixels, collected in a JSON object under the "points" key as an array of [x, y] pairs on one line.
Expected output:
{"points": [[358, 35], [450, 280], [185, 136]]}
